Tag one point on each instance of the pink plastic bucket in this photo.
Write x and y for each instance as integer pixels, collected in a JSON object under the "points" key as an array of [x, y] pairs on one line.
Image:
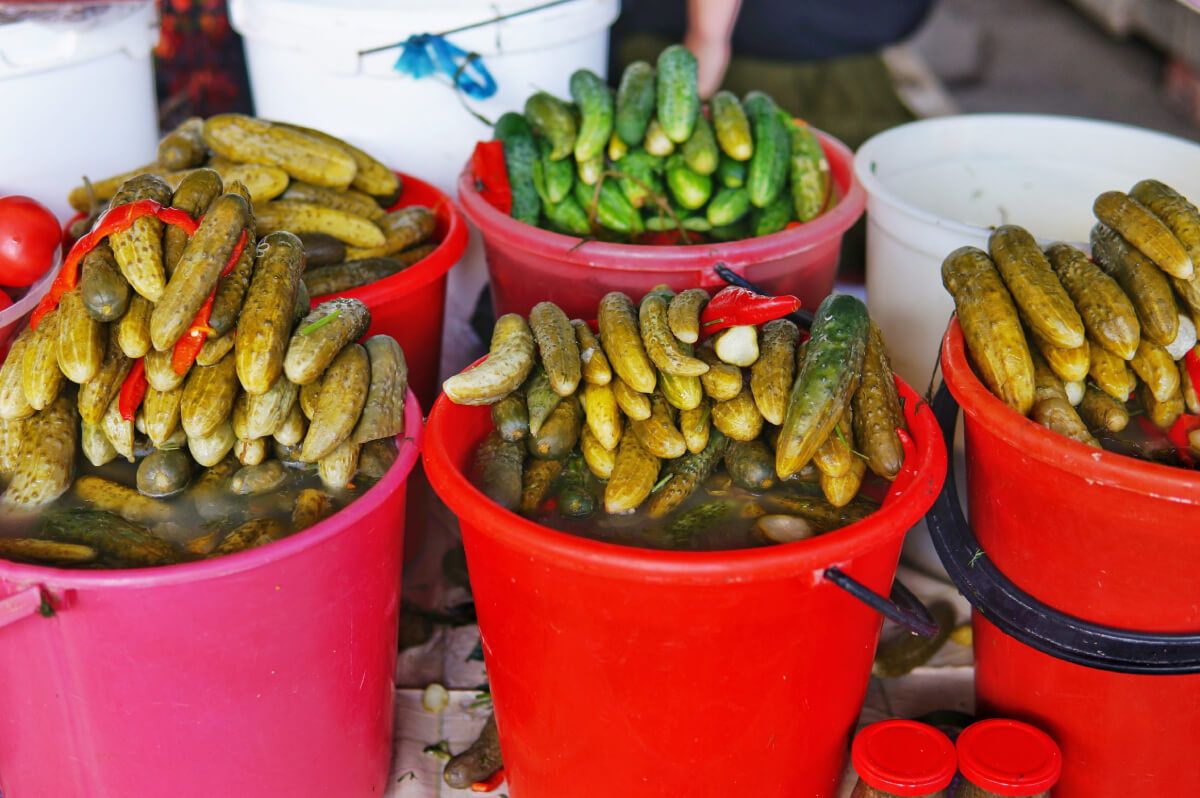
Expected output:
{"points": [[527, 264], [258, 675]]}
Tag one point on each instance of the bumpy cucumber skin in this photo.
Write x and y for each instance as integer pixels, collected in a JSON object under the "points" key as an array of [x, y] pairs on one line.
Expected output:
{"points": [[635, 102], [677, 93], [520, 152], [595, 102], [827, 380], [772, 146]]}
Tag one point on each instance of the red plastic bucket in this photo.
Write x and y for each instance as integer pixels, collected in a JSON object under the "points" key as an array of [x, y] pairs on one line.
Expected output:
{"points": [[411, 306], [1085, 545], [258, 675], [528, 265], [624, 671]]}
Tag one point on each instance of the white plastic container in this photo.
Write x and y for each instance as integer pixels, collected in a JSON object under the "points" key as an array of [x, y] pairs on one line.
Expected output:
{"points": [[939, 184], [77, 86], [305, 68]]}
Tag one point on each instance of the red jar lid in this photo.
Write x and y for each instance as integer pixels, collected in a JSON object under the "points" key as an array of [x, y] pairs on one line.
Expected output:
{"points": [[903, 757], [1008, 757]]}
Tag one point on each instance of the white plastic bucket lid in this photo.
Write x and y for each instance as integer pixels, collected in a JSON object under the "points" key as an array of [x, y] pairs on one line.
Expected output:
{"points": [[336, 31], [36, 37]]}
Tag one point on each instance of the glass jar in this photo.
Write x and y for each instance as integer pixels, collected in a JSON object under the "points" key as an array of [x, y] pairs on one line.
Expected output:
{"points": [[1006, 758], [902, 758]]}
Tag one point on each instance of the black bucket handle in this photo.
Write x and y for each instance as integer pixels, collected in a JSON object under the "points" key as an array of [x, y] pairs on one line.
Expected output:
{"points": [[902, 607], [1020, 615]]}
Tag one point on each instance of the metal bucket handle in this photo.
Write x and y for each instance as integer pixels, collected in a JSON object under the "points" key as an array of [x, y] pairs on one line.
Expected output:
{"points": [[1023, 617], [901, 607]]}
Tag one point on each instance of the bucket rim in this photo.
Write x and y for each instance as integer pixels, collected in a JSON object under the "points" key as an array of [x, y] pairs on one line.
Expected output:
{"points": [[781, 561], [433, 266], [1033, 440], [409, 445], [877, 190], [500, 227]]}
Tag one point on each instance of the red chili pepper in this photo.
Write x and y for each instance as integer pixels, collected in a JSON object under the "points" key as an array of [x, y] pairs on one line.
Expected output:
{"points": [[235, 254], [114, 220], [188, 347], [67, 240], [133, 390], [491, 175], [178, 218], [490, 783], [908, 470], [1178, 436], [1191, 362], [736, 307]]}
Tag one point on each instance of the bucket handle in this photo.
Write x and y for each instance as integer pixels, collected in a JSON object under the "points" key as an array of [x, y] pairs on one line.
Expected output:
{"points": [[901, 607], [1020, 615], [24, 603]]}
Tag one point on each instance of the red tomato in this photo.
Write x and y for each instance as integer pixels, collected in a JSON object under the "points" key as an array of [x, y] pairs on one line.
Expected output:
{"points": [[5, 301], [29, 236]]}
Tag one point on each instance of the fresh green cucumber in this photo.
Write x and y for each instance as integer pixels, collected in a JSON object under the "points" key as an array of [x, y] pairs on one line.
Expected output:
{"points": [[689, 188], [700, 151], [769, 164], [612, 210], [635, 102], [677, 92], [773, 218], [589, 171], [559, 175], [728, 206], [731, 173], [733, 128], [594, 99], [641, 176], [520, 154], [568, 217], [554, 119], [808, 170], [731, 232]]}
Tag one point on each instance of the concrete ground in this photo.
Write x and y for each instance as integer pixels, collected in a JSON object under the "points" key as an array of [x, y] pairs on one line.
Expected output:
{"points": [[1044, 56]]}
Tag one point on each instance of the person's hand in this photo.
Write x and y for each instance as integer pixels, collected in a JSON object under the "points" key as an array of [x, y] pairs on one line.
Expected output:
{"points": [[712, 59]]}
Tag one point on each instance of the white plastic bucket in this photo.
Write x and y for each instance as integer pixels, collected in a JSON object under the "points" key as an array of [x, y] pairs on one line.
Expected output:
{"points": [[304, 65], [939, 184], [77, 86]]}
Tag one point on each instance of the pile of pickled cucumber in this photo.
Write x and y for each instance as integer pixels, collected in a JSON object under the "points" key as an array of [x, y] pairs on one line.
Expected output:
{"points": [[650, 419], [331, 194], [198, 358], [1081, 345], [651, 158]]}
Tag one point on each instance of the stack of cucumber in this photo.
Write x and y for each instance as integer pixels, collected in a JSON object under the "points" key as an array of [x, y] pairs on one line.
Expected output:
{"points": [[642, 414], [1080, 345], [331, 194], [185, 352], [652, 159]]}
